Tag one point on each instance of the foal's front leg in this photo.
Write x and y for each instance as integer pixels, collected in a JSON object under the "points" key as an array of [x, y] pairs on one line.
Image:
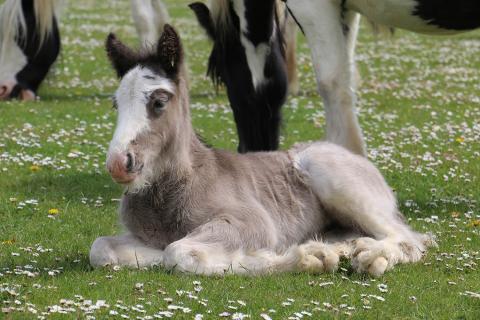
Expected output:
{"points": [[222, 246], [331, 36], [124, 250]]}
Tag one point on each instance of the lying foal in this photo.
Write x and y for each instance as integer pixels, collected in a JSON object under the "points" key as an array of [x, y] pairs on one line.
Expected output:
{"points": [[208, 211]]}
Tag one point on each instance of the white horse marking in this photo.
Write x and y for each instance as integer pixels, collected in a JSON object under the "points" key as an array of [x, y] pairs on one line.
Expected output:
{"points": [[132, 97], [256, 55]]}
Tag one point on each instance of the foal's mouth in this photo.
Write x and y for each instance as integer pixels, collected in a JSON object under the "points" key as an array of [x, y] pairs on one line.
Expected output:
{"points": [[129, 177]]}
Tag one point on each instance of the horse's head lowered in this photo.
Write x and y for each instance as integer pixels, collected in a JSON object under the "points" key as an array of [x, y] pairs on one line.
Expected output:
{"points": [[152, 105]]}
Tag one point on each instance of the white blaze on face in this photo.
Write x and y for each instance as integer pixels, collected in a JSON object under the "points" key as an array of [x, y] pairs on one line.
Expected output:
{"points": [[132, 97], [256, 55]]}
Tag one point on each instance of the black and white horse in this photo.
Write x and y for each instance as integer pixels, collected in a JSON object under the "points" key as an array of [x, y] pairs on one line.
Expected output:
{"points": [[248, 57], [30, 40], [330, 27], [29, 45]]}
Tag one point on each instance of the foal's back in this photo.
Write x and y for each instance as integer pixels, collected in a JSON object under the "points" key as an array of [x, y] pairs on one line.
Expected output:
{"points": [[267, 183]]}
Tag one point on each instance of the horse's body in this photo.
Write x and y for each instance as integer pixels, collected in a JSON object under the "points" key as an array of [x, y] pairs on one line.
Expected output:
{"points": [[208, 211], [330, 27], [423, 16], [29, 45]]}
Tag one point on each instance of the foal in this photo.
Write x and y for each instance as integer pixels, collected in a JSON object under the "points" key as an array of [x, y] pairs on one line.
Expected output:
{"points": [[208, 211]]}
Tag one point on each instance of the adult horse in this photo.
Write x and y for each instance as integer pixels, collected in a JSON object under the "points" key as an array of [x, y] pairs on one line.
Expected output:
{"points": [[30, 40], [29, 45], [331, 26], [248, 56]]}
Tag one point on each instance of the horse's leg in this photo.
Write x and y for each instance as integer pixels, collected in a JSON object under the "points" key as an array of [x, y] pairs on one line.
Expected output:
{"points": [[352, 20], [124, 250], [161, 14], [355, 194], [144, 18], [220, 247], [326, 30]]}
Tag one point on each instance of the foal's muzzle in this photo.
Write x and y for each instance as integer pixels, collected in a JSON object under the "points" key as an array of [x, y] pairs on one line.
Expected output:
{"points": [[121, 167]]}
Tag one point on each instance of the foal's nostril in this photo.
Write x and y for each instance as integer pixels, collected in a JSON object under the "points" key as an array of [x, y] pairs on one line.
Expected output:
{"points": [[129, 165]]}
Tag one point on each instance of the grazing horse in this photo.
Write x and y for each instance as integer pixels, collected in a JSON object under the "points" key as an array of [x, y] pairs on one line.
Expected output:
{"points": [[29, 45], [30, 41], [330, 27], [196, 209], [248, 57]]}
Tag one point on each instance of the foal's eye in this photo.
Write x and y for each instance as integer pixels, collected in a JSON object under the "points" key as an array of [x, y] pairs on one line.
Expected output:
{"points": [[158, 100], [158, 106]]}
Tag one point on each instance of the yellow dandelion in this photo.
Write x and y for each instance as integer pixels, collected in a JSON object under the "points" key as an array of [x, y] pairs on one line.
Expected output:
{"points": [[460, 139], [34, 168], [8, 241], [475, 223], [455, 214], [53, 211]]}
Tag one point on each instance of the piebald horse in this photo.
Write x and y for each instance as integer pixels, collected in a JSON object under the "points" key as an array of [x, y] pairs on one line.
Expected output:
{"points": [[29, 45], [195, 209], [331, 26], [253, 55], [30, 40]]}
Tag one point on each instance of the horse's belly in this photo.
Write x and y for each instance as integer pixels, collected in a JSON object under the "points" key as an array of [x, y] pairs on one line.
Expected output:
{"points": [[423, 16]]}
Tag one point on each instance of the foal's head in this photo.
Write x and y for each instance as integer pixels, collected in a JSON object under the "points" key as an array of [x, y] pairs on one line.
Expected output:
{"points": [[152, 106]]}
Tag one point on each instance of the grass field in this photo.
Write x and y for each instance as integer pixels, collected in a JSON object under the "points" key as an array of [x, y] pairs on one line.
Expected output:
{"points": [[419, 107]]}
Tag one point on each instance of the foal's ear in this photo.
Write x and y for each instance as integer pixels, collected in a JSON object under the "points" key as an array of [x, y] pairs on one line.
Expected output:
{"points": [[122, 57], [204, 18], [170, 51]]}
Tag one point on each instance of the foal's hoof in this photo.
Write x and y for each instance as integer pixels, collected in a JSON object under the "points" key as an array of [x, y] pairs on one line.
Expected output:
{"points": [[372, 256], [318, 257]]}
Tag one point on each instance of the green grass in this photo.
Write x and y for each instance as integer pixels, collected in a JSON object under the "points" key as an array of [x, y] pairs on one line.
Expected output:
{"points": [[419, 107]]}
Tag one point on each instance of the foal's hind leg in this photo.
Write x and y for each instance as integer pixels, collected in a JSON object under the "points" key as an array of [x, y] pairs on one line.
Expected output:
{"points": [[355, 194], [331, 36]]}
